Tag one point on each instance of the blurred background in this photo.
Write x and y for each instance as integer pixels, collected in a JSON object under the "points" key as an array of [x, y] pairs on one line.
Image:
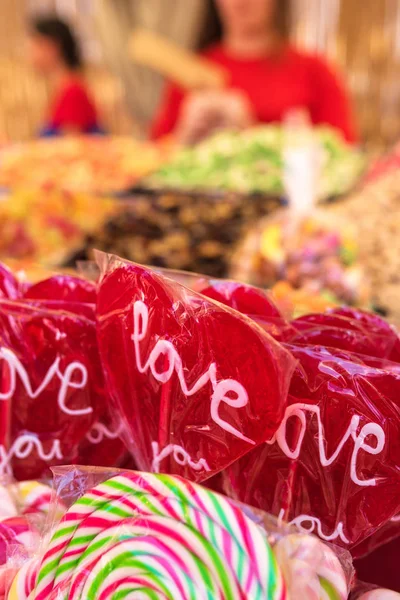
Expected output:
{"points": [[361, 36], [184, 134]]}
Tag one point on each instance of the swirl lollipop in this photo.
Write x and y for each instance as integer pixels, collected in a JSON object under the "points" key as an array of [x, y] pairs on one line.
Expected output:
{"points": [[159, 537], [24, 581]]}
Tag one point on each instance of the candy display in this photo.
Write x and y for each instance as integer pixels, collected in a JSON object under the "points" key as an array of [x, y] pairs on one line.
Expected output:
{"points": [[299, 301], [363, 351], [46, 225], [314, 254], [313, 440], [82, 164], [191, 384], [252, 161]]}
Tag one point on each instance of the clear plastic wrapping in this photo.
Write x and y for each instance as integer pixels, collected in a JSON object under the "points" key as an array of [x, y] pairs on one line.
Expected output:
{"points": [[53, 399], [336, 451], [181, 370], [128, 533]]}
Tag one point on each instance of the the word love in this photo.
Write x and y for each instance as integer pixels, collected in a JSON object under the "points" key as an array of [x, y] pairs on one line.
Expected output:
{"points": [[74, 377], [227, 391], [373, 431]]}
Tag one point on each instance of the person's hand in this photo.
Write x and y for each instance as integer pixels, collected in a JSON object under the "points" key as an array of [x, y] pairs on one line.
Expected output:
{"points": [[207, 111]]}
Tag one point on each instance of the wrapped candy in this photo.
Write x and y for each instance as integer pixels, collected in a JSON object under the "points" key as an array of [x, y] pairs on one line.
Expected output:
{"points": [[364, 591], [248, 300], [336, 452], [159, 536], [22, 581], [347, 329], [8, 506], [180, 368], [50, 376], [63, 288], [53, 397], [137, 534]]}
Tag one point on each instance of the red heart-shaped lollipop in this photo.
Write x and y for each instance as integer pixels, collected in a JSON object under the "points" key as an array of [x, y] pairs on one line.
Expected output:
{"points": [[250, 301], [347, 329], [246, 299], [63, 288], [336, 455], [51, 375], [198, 384]]}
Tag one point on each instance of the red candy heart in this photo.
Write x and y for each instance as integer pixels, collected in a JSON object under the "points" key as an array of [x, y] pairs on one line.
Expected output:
{"points": [[336, 454], [343, 332], [199, 385], [51, 376], [246, 299], [64, 288]]}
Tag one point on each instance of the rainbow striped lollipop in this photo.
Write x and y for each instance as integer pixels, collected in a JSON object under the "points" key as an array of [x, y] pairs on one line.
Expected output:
{"points": [[24, 581], [156, 537], [35, 497]]}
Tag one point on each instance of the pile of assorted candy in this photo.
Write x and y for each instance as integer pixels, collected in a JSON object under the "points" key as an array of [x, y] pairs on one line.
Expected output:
{"points": [[91, 164], [316, 254], [196, 381], [36, 224], [252, 162]]}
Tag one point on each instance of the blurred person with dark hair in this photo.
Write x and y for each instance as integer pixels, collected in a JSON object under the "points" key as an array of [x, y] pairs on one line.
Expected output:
{"points": [[268, 77], [55, 52]]}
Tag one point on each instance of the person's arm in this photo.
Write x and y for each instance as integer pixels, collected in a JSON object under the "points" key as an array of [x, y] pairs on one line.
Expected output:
{"points": [[168, 114], [331, 103]]}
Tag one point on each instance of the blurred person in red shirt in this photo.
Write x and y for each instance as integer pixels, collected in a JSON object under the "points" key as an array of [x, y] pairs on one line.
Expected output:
{"points": [[268, 77], [54, 52]]}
